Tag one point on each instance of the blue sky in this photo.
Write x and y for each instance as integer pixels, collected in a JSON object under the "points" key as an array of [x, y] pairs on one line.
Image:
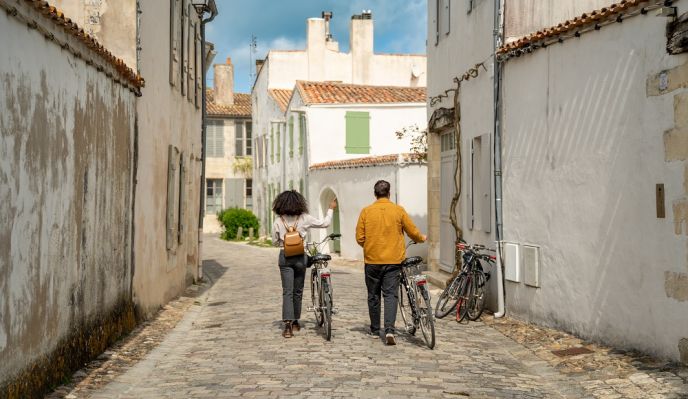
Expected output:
{"points": [[400, 27]]}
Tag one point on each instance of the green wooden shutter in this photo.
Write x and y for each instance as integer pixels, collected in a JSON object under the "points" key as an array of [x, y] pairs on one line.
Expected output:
{"points": [[302, 132], [279, 142], [357, 132], [291, 136], [272, 143], [301, 186]]}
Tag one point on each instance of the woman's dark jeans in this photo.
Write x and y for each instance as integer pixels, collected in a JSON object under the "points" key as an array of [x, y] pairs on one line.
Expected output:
{"points": [[293, 272]]}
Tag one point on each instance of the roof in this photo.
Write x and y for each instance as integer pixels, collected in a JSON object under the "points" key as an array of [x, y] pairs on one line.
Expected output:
{"points": [[586, 22], [240, 108], [281, 97], [378, 160], [59, 20], [340, 93]]}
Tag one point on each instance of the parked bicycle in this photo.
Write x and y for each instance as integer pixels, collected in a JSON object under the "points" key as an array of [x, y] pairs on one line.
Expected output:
{"points": [[321, 285], [466, 291], [414, 300]]}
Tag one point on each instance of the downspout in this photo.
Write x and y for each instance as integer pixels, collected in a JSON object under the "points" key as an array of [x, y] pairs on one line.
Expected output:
{"points": [[497, 78], [201, 209]]}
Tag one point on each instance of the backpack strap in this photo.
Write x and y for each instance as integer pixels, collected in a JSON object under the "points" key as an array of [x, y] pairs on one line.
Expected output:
{"points": [[286, 226]]}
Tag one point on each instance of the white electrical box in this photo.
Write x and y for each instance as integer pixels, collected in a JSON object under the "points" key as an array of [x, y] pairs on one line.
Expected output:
{"points": [[512, 262], [531, 265]]}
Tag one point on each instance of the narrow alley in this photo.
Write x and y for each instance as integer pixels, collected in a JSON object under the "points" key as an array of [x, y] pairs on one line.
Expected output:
{"points": [[229, 345]]}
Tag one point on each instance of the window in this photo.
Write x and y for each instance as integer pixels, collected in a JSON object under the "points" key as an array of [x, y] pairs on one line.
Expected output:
{"points": [[249, 136], [291, 136], [302, 132], [357, 132], [239, 138], [213, 196], [447, 141], [249, 193], [215, 138]]}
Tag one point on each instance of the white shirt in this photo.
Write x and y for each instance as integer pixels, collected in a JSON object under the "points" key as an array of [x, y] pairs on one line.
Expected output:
{"points": [[303, 223]]}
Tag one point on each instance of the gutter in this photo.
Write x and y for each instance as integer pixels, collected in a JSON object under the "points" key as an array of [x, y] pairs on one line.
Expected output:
{"points": [[497, 78], [212, 8]]}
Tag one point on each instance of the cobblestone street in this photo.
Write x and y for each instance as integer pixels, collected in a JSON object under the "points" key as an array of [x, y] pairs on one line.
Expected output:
{"points": [[228, 344]]}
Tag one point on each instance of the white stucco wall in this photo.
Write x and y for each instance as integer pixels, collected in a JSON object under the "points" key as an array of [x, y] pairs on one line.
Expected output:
{"points": [[353, 188], [327, 129], [469, 42], [583, 151], [66, 177]]}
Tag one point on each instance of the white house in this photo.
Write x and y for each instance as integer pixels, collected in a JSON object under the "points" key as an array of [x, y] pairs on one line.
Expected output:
{"points": [[590, 134], [229, 148], [320, 61], [341, 139]]}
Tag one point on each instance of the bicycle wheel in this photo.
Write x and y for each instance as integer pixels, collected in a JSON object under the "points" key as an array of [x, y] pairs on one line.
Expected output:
{"points": [[448, 298], [476, 303], [327, 308], [315, 298], [427, 322], [465, 292], [405, 309]]}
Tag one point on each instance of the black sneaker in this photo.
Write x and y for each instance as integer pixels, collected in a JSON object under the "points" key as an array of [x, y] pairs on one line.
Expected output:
{"points": [[389, 339], [374, 334]]}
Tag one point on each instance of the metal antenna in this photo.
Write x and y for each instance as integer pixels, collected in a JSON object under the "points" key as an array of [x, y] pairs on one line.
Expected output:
{"points": [[252, 53]]}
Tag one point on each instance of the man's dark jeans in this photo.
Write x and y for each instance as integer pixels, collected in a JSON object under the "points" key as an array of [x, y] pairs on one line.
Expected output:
{"points": [[385, 279]]}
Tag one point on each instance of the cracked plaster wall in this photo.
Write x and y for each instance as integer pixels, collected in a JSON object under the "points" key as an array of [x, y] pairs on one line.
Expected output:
{"points": [[66, 145]]}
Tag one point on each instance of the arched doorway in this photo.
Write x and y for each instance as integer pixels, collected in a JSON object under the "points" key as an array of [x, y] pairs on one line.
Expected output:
{"points": [[326, 196]]}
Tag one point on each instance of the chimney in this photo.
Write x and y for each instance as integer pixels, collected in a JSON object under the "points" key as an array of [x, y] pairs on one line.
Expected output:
{"points": [[316, 34], [361, 45], [330, 43], [224, 83], [259, 66]]}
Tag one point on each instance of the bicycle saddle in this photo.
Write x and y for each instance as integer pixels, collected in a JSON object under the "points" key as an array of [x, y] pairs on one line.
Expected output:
{"points": [[322, 258], [414, 260]]}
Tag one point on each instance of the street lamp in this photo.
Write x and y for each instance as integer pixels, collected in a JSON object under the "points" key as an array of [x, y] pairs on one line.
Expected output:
{"points": [[202, 7]]}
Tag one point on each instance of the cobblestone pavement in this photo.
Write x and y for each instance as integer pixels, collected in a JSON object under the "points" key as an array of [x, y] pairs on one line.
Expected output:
{"points": [[229, 345]]}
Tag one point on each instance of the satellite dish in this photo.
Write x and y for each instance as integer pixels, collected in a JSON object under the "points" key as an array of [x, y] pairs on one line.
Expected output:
{"points": [[415, 71]]}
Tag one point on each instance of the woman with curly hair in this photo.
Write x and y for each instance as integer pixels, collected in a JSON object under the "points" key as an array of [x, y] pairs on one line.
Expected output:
{"points": [[292, 211]]}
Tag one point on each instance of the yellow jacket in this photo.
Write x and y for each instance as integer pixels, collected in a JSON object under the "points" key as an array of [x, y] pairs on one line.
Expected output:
{"points": [[380, 231]]}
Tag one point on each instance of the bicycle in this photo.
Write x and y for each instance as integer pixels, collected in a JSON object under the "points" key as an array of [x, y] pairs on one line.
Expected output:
{"points": [[414, 300], [466, 292], [321, 285]]}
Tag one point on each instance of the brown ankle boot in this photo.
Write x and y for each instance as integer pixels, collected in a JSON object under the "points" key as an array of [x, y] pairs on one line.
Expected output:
{"points": [[295, 326], [287, 333]]}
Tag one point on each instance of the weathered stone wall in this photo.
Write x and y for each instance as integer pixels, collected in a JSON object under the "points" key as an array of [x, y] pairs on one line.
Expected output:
{"points": [[66, 168]]}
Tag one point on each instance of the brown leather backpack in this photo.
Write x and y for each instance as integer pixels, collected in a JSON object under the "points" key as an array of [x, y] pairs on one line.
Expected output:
{"points": [[293, 242]]}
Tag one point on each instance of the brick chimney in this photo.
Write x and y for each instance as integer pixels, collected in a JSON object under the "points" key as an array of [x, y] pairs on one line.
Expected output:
{"points": [[224, 83]]}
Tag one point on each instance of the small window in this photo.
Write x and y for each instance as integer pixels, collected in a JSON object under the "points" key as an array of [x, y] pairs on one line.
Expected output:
{"points": [[357, 132], [249, 139], [239, 139], [249, 187], [215, 138], [447, 141], [213, 196]]}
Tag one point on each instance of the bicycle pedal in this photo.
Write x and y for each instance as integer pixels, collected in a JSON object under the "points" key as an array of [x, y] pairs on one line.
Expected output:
{"points": [[335, 310]]}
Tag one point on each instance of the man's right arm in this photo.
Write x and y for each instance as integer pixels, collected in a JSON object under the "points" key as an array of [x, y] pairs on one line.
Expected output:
{"points": [[360, 229]]}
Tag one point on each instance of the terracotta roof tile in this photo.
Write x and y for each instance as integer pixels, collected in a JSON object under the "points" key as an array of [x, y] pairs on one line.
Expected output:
{"points": [[281, 97], [376, 160], [340, 93], [71, 28], [241, 107], [572, 26]]}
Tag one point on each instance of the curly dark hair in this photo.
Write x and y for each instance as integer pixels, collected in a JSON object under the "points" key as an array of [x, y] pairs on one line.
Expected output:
{"points": [[290, 203]]}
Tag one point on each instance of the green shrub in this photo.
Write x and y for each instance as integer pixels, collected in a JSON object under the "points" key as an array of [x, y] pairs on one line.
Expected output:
{"points": [[233, 218]]}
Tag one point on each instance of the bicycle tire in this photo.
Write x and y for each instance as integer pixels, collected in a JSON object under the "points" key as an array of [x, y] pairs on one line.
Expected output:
{"points": [[465, 292], [405, 309], [427, 322], [316, 299], [477, 303], [448, 297], [327, 309]]}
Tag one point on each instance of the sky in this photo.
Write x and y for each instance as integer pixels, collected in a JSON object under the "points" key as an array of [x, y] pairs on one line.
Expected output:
{"points": [[400, 27]]}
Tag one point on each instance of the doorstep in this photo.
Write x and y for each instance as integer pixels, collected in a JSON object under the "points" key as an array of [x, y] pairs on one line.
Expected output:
{"points": [[438, 278]]}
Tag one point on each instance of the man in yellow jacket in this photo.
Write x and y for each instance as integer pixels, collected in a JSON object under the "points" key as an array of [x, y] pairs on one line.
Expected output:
{"points": [[380, 231]]}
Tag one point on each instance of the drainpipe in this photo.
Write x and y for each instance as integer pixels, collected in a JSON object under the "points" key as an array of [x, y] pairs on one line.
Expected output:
{"points": [[498, 32], [212, 9]]}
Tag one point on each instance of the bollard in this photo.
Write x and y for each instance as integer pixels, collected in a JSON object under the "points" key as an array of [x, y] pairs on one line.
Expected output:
{"points": [[250, 233], [240, 233]]}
